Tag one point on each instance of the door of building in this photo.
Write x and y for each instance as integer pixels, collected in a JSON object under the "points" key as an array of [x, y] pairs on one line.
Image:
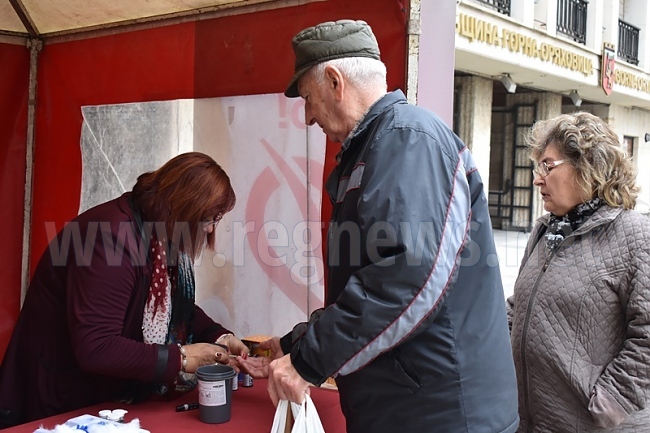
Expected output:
{"points": [[511, 179], [521, 205]]}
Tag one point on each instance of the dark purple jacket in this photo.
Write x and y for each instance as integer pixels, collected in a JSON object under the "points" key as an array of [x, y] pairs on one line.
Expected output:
{"points": [[78, 340]]}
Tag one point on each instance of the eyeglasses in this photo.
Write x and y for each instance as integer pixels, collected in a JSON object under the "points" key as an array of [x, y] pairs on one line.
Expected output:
{"points": [[218, 217], [544, 168]]}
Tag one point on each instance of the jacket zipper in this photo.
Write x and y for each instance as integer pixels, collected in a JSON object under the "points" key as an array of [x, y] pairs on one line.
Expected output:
{"points": [[581, 231], [524, 333]]}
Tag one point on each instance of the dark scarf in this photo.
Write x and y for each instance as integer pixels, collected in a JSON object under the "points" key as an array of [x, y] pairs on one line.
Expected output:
{"points": [[561, 227], [180, 332], [183, 288]]}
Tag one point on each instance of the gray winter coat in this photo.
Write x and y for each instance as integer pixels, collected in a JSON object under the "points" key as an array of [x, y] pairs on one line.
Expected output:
{"points": [[580, 331]]}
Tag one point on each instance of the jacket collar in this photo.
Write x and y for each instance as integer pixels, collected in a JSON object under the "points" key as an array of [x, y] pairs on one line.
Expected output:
{"points": [[381, 105], [604, 215]]}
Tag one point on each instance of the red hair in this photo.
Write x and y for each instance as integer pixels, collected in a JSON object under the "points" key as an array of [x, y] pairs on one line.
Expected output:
{"points": [[187, 191]]}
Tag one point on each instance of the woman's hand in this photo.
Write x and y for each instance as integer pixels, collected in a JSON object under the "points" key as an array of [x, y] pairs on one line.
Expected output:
{"points": [[236, 349], [234, 344], [199, 354]]}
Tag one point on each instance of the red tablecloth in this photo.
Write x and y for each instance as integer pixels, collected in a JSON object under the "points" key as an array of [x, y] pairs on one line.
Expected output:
{"points": [[252, 412]]}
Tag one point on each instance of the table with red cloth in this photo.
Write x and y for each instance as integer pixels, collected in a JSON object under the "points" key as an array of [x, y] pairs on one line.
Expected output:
{"points": [[252, 412]]}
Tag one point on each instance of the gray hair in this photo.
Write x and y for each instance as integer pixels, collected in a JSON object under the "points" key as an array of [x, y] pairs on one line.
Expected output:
{"points": [[361, 72], [593, 148]]}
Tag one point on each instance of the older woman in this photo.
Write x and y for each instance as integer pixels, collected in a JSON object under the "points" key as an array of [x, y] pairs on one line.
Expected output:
{"points": [[110, 313], [580, 313]]}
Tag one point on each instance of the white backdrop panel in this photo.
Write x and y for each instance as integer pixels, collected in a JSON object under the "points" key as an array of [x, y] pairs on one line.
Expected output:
{"points": [[266, 273]]}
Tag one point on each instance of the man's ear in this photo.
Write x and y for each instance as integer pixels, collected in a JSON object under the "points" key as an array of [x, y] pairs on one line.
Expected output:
{"points": [[335, 81]]}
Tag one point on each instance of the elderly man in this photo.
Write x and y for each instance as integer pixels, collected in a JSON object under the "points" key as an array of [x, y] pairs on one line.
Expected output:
{"points": [[414, 329]]}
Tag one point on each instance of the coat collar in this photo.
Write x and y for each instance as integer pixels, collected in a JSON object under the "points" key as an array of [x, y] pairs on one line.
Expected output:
{"points": [[381, 105], [604, 215]]}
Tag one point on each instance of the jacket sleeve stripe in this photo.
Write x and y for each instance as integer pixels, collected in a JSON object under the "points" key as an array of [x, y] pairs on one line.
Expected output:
{"points": [[454, 234]]}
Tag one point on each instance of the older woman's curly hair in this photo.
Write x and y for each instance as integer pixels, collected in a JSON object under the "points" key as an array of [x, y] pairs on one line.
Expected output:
{"points": [[591, 146]]}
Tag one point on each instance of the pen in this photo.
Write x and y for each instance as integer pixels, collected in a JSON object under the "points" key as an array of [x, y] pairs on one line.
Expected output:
{"points": [[187, 406]]}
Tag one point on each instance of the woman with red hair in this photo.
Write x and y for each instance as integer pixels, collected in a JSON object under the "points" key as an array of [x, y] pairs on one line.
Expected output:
{"points": [[110, 312]]}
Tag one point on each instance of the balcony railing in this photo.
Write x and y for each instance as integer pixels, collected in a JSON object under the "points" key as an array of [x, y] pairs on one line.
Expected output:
{"points": [[628, 42], [501, 6], [572, 19]]}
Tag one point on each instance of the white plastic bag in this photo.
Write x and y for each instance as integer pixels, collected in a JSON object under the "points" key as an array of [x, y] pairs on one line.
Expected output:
{"points": [[280, 418], [305, 416]]}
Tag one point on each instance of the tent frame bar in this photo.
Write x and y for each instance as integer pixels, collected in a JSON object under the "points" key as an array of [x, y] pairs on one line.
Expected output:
{"points": [[205, 13], [27, 21], [34, 46], [13, 38]]}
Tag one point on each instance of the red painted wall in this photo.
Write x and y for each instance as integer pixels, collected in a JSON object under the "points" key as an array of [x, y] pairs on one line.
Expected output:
{"points": [[14, 82], [238, 55]]}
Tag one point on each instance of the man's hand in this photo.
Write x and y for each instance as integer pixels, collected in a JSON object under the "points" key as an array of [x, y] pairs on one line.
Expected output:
{"points": [[273, 344], [285, 383], [258, 367]]}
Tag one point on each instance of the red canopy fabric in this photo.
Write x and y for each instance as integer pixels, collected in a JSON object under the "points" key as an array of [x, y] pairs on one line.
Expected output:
{"points": [[236, 55]]}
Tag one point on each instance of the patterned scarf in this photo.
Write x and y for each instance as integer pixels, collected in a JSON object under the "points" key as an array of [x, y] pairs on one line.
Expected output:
{"points": [[169, 309], [561, 227], [170, 302]]}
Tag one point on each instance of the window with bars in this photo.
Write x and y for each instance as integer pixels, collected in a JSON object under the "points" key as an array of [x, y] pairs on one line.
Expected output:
{"points": [[572, 19], [628, 42], [629, 146], [501, 6]]}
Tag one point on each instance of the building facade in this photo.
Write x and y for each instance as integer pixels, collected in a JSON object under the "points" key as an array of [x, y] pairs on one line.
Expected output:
{"points": [[518, 61]]}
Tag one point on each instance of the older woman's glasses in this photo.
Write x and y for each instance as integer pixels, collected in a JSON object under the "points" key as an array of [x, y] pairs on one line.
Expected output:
{"points": [[544, 168], [214, 221]]}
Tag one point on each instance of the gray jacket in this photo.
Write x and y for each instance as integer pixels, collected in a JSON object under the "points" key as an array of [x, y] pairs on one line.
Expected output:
{"points": [[581, 327]]}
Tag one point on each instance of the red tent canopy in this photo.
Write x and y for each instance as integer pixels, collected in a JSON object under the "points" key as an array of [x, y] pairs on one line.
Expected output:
{"points": [[241, 54]]}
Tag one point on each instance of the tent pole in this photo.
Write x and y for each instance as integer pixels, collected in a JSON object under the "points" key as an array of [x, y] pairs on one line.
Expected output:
{"points": [[34, 46], [413, 30]]}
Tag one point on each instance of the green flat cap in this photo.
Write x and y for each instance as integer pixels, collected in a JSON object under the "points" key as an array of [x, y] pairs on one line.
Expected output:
{"points": [[328, 41]]}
